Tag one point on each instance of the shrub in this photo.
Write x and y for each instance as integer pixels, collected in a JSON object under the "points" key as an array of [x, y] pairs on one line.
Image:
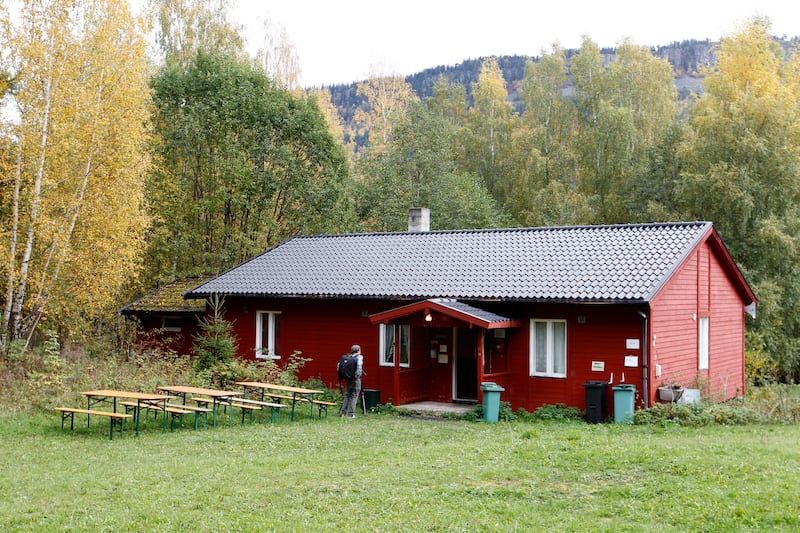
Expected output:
{"points": [[697, 414], [504, 413], [557, 411]]}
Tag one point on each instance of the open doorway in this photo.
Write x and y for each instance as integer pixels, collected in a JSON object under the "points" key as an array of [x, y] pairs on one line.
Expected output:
{"points": [[465, 372]]}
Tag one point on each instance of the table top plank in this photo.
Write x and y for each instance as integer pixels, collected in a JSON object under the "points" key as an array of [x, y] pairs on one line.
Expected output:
{"points": [[111, 393], [276, 386], [185, 389]]}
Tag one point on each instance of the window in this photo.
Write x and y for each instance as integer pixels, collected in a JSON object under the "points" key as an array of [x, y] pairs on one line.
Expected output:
{"points": [[702, 345], [548, 348], [388, 335], [267, 335], [171, 323]]}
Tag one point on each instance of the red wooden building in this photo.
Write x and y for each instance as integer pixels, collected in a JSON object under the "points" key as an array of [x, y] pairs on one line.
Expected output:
{"points": [[164, 319], [539, 311]]}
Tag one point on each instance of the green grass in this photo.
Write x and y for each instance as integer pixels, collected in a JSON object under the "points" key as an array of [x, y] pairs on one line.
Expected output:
{"points": [[391, 473]]}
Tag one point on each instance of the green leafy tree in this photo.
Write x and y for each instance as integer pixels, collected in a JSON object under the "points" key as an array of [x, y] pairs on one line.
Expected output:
{"points": [[624, 110], [240, 164], [545, 188], [740, 165], [417, 168]]}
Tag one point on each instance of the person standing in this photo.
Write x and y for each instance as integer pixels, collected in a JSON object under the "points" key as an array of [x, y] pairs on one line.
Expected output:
{"points": [[353, 388]]}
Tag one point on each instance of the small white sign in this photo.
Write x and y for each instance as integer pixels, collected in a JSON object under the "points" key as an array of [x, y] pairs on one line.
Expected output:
{"points": [[632, 360], [631, 344], [598, 366]]}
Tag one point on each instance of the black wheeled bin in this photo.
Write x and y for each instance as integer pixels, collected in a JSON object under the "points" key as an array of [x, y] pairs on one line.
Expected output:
{"points": [[595, 401], [371, 397]]}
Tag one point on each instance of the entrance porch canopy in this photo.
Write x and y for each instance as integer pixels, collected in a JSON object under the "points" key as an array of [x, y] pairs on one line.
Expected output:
{"points": [[454, 309]]}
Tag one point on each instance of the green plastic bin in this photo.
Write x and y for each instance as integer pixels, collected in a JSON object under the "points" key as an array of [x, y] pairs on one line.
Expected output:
{"points": [[491, 400], [623, 403]]}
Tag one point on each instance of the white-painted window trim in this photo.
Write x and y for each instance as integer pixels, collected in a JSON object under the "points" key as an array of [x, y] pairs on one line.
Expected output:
{"points": [[702, 343], [387, 333], [553, 347], [271, 319]]}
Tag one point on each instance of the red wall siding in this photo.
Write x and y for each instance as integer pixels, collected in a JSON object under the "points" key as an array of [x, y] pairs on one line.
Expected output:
{"points": [[699, 288], [321, 329], [674, 327], [726, 337], [150, 336], [601, 338]]}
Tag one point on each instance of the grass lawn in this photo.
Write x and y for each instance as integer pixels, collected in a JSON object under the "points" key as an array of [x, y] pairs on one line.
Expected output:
{"points": [[390, 473]]}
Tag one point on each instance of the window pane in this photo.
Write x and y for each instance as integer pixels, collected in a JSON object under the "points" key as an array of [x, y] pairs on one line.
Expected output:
{"points": [[263, 341], [388, 354], [540, 346], [559, 348], [405, 345], [703, 345], [276, 323]]}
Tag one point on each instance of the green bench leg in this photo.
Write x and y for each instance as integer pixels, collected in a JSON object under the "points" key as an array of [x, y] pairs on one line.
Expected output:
{"points": [[196, 419]]}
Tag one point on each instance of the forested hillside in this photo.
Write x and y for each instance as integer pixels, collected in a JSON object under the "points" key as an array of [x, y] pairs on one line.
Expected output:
{"points": [[687, 58]]}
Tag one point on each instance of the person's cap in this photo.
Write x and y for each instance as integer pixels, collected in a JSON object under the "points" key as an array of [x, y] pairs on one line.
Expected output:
{"points": [[355, 349]]}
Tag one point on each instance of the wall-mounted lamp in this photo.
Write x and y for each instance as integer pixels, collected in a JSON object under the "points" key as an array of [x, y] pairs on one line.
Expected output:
{"points": [[428, 317]]}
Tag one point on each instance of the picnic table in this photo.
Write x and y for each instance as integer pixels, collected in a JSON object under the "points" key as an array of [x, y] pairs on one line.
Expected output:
{"points": [[94, 397], [217, 397], [298, 394]]}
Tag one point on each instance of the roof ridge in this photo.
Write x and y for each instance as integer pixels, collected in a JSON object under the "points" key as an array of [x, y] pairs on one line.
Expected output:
{"points": [[498, 230]]}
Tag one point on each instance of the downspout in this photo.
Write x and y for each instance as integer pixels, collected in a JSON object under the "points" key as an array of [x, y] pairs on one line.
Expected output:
{"points": [[645, 362]]}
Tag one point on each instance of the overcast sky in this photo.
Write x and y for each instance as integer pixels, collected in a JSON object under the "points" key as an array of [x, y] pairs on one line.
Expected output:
{"points": [[338, 41]]}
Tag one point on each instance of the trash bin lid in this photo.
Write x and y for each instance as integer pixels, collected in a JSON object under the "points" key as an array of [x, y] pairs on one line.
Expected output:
{"points": [[623, 387], [491, 387], [595, 384]]}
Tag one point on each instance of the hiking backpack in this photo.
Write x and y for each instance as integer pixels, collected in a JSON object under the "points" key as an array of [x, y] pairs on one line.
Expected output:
{"points": [[346, 369]]}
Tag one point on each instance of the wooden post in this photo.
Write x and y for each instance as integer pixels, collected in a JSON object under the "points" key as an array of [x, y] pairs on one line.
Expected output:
{"points": [[481, 339]]}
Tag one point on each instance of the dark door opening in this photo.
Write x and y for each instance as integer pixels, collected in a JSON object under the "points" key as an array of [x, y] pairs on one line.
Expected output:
{"points": [[466, 377]]}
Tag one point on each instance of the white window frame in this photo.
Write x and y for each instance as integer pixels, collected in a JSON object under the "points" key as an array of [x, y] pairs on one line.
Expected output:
{"points": [[403, 331], [550, 361], [702, 342], [271, 317]]}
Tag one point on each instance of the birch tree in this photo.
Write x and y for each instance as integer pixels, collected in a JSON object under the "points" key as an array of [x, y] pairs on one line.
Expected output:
{"points": [[491, 121], [740, 163], [387, 99], [184, 27], [74, 213]]}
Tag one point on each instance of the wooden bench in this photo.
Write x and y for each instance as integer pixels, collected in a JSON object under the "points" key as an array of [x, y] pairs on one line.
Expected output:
{"points": [[114, 419], [279, 396], [198, 411], [272, 406], [175, 412], [233, 402], [322, 405]]}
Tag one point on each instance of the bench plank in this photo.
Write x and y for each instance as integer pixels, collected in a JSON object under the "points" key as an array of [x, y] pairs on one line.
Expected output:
{"points": [[114, 419]]}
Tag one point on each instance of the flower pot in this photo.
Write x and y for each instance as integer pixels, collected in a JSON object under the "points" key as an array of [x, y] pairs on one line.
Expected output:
{"points": [[670, 394]]}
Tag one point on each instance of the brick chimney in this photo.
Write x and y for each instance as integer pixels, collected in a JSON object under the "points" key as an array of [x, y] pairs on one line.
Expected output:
{"points": [[419, 219]]}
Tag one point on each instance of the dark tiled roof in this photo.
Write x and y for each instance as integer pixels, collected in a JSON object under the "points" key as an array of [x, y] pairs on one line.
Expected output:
{"points": [[168, 299], [477, 312], [619, 263]]}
